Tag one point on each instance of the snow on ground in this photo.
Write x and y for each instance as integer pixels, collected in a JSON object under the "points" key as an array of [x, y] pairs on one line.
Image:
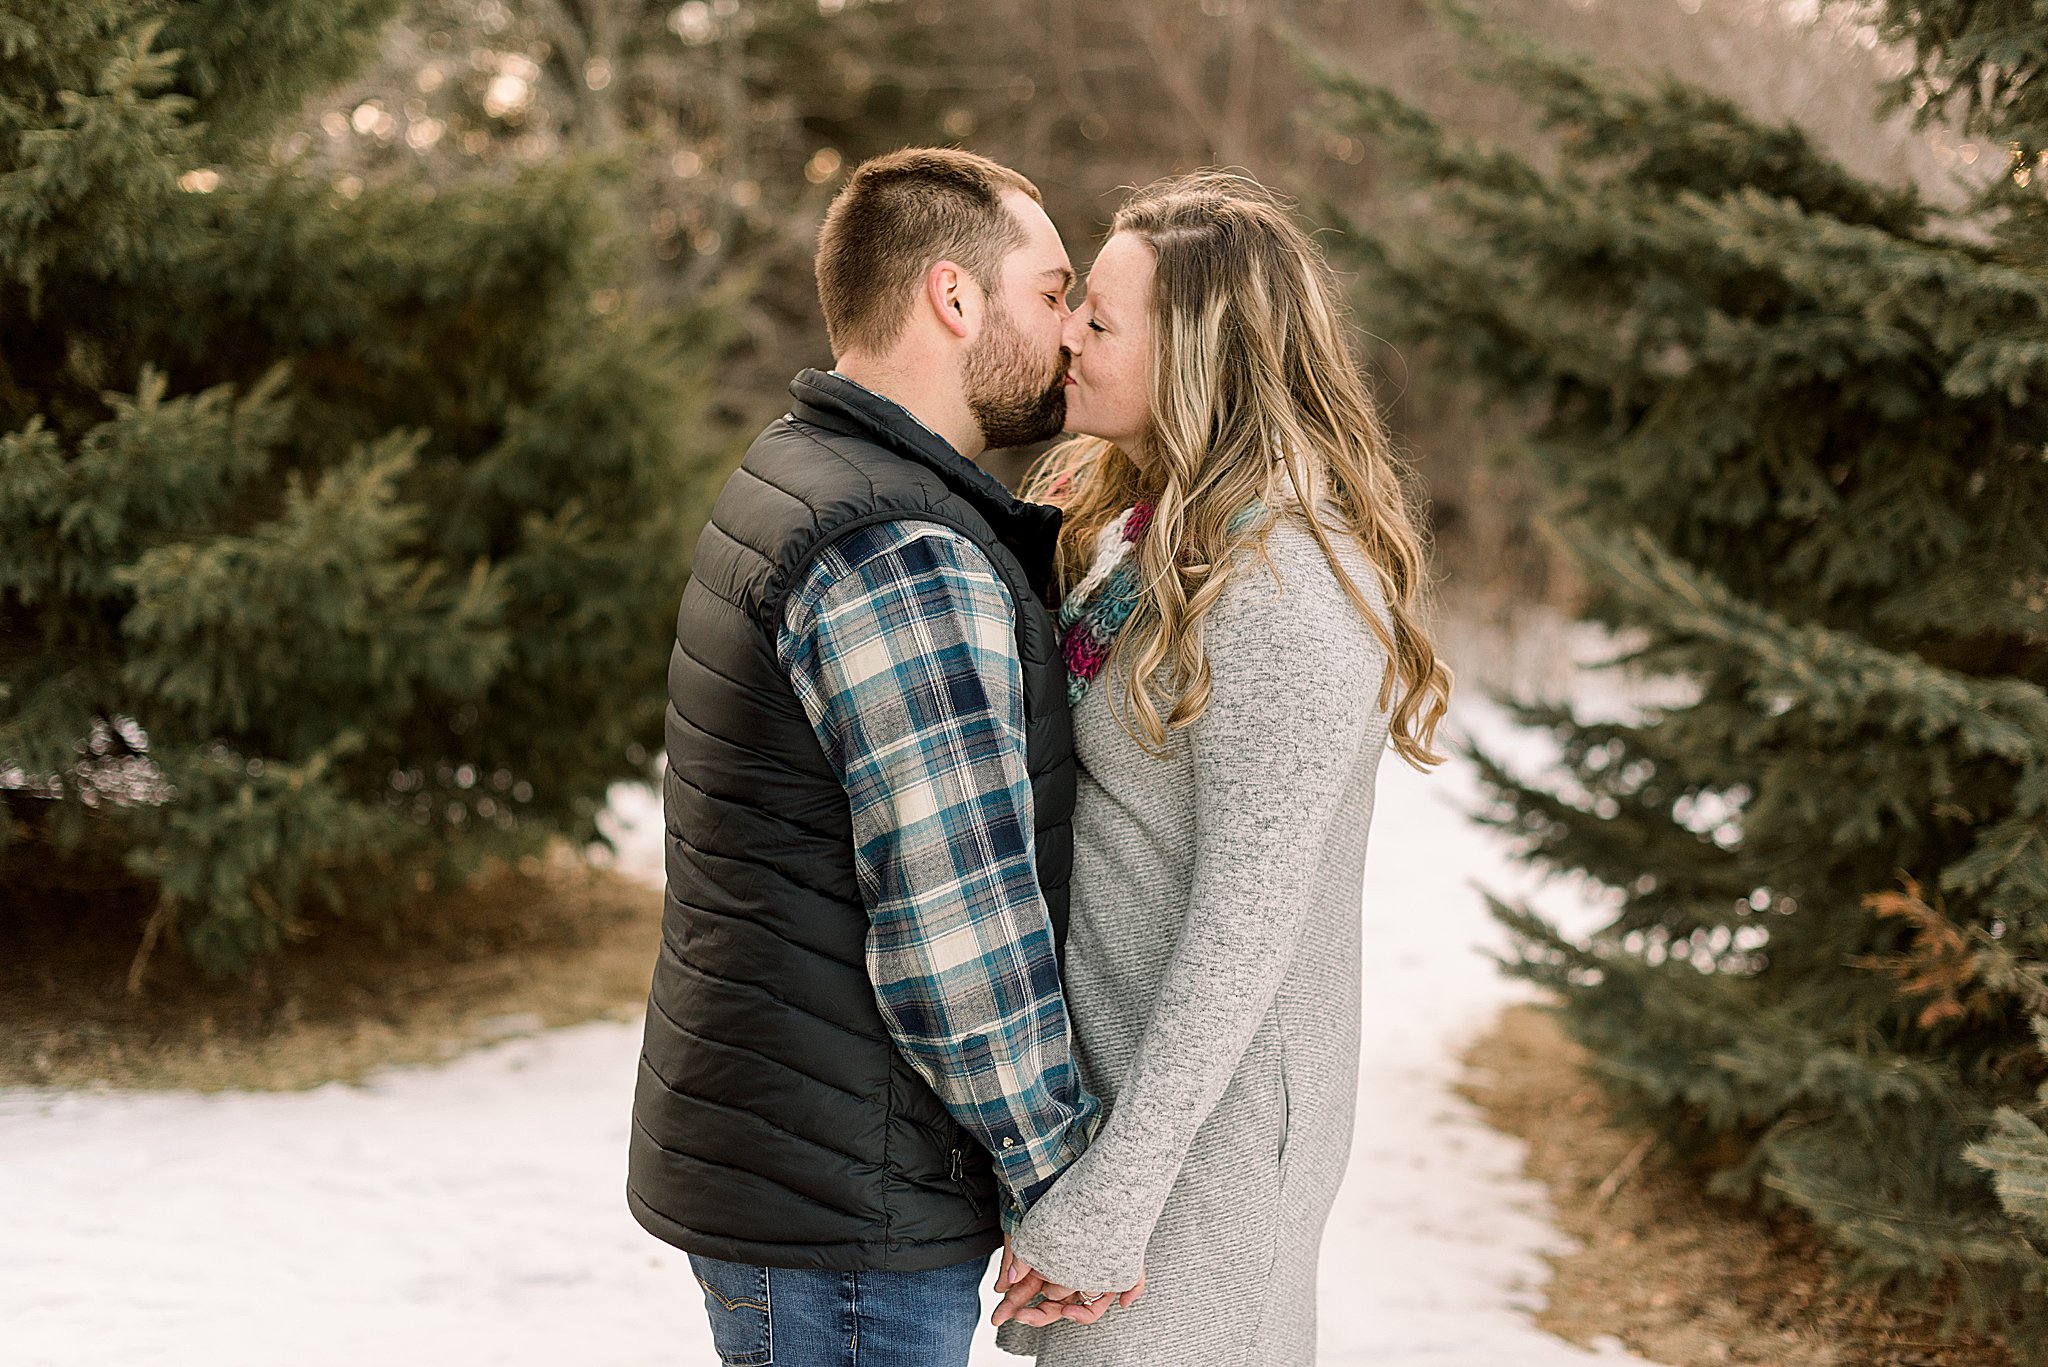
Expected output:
{"points": [[472, 1213]]}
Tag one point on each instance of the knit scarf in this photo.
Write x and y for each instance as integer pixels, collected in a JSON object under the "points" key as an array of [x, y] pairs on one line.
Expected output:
{"points": [[1097, 609]]}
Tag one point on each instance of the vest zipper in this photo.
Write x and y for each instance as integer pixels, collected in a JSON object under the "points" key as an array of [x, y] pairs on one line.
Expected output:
{"points": [[957, 1169]]}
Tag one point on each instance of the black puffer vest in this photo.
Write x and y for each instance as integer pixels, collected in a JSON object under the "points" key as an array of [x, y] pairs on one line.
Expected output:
{"points": [[774, 1120]]}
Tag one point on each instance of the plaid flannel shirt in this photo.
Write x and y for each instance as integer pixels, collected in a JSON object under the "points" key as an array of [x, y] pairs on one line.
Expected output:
{"points": [[901, 643]]}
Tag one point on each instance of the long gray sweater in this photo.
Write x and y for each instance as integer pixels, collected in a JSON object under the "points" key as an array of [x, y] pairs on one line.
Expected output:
{"points": [[1212, 974]]}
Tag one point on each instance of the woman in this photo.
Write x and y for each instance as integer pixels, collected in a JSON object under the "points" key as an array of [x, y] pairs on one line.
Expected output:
{"points": [[1241, 565]]}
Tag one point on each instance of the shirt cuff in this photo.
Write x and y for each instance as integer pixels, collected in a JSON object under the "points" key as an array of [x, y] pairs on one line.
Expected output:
{"points": [[1029, 1176]]}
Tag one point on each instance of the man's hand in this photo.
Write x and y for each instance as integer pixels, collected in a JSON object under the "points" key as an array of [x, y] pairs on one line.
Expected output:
{"points": [[1030, 1299]]}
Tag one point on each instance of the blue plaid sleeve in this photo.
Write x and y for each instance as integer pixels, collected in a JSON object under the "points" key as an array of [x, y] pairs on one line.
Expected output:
{"points": [[901, 643]]}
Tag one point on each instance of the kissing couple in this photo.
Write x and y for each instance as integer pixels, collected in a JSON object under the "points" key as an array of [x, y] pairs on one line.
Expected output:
{"points": [[1015, 844]]}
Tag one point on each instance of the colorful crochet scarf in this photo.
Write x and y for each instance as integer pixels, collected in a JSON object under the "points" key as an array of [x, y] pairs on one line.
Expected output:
{"points": [[1097, 608]]}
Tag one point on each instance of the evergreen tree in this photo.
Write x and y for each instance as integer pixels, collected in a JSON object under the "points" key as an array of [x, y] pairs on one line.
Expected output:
{"points": [[340, 530], [1797, 426]]}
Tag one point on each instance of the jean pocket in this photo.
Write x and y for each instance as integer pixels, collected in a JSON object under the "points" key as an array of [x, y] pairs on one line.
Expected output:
{"points": [[736, 1298]]}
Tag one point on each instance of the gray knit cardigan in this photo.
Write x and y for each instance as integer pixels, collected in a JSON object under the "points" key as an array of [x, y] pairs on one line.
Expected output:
{"points": [[1213, 979]]}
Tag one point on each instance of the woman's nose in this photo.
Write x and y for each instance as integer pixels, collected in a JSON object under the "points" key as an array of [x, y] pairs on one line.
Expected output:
{"points": [[1071, 332]]}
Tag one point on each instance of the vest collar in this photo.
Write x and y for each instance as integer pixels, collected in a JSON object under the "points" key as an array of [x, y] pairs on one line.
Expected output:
{"points": [[1029, 530]]}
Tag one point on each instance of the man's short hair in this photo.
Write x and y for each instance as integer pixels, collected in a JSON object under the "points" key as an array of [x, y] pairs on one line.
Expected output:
{"points": [[899, 215]]}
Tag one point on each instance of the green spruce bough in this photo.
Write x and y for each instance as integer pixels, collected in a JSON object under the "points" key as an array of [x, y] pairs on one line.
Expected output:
{"points": [[340, 529], [1797, 425]]}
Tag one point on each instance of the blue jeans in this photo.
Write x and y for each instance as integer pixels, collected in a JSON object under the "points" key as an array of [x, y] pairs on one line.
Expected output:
{"points": [[785, 1317]]}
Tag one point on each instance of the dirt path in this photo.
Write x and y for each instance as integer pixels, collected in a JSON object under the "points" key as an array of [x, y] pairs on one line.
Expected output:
{"points": [[1676, 1275]]}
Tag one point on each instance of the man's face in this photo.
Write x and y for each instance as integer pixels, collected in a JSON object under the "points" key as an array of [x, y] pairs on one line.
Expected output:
{"points": [[1015, 374]]}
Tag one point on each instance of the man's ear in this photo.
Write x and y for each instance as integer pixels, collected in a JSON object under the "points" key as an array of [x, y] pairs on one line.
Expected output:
{"points": [[946, 288]]}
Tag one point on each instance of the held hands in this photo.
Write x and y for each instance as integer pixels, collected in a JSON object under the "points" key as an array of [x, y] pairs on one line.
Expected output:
{"points": [[1030, 1299]]}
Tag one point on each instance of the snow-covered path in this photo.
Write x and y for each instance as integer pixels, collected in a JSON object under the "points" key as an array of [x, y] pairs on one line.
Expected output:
{"points": [[472, 1213]]}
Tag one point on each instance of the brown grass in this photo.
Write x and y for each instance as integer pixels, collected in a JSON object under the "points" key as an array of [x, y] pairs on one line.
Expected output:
{"points": [[1679, 1277], [548, 945]]}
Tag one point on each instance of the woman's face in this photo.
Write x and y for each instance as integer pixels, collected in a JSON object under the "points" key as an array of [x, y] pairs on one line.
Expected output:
{"points": [[1109, 388]]}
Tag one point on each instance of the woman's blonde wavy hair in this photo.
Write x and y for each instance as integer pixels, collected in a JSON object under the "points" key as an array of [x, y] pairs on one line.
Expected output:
{"points": [[1253, 382]]}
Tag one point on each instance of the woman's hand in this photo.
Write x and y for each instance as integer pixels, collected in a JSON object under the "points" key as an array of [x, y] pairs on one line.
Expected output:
{"points": [[1063, 1302], [1030, 1299]]}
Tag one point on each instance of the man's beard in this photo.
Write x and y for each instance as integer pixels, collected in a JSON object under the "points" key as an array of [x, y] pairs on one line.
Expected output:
{"points": [[1015, 400]]}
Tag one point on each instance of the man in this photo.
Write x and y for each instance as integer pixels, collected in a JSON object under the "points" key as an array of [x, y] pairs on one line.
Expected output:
{"points": [[857, 1071]]}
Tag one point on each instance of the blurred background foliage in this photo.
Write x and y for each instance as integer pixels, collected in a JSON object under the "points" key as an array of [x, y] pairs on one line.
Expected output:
{"points": [[738, 119]]}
